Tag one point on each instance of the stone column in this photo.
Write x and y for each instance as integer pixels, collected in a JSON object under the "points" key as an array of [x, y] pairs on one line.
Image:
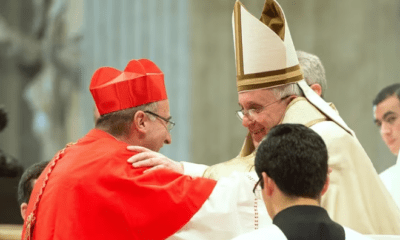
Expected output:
{"points": [[118, 31]]}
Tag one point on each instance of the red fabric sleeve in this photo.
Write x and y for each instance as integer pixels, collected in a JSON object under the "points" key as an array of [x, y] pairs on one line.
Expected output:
{"points": [[93, 193]]}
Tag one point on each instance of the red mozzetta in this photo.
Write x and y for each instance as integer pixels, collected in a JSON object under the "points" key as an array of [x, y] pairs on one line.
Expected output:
{"points": [[93, 193]]}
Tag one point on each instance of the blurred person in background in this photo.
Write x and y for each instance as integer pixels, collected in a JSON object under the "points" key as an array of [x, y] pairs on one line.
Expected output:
{"points": [[313, 72], [26, 184], [10, 172], [9, 166], [386, 111]]}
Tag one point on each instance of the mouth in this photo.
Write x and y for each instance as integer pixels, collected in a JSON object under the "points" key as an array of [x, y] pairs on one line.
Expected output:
{"points": [[390, 142], [393, 145], [257, 131]]}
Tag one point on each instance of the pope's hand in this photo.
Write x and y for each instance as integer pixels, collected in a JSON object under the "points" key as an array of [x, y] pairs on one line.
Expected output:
{"points": [[155, 160]]}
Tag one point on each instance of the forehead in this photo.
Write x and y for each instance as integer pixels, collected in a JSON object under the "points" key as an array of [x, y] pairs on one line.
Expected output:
{"points": [[163, 107], [259, 96], [391, 103]]}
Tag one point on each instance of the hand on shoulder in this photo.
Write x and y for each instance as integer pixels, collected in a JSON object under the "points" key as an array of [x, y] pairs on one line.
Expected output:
{"points": [[155, 160]]}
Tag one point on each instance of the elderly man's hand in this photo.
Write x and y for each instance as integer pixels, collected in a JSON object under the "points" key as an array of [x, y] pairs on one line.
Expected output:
{"points": [[155, 160]]}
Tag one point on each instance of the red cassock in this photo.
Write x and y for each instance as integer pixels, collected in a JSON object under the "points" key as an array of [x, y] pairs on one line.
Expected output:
{"points": [[93, 193]]}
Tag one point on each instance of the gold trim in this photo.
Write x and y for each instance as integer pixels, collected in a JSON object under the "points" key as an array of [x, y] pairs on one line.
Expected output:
{"points": [[247, 148], [238, 38], [295, 68], [314, 115], [269, 78], [269, 84], [297, 99], [252, 168], [311, 123], [31, 220], [273, 17]]}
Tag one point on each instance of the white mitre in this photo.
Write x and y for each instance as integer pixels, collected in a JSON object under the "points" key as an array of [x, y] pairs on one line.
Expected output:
{"points": [[266, 57]]}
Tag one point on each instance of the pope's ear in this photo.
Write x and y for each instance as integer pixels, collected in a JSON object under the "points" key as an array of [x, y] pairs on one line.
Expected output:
{"points": [[140, 121], [317, 88]]}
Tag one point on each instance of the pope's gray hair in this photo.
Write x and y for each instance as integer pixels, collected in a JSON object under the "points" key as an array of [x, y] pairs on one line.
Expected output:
{"points": [[287, 90], [313, 72]]}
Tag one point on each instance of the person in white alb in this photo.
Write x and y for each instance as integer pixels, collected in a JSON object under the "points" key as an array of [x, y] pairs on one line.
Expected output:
{"points": [[386, 109], [292, 165]]}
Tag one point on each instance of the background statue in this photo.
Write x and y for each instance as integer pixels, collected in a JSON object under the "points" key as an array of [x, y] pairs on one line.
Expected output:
{"points": [[48, 57], [10, 172]]}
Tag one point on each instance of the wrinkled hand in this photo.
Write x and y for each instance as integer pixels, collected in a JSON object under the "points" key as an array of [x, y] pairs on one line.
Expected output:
{"points": [[155, 160]]}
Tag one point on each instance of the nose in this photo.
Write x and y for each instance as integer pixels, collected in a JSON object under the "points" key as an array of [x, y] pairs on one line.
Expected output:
{"points": [[168, 139], [246, 122], [385, 128]]}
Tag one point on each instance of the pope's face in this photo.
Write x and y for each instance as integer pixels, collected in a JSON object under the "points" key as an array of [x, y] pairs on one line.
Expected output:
{"points": [[268, 112], [387, 118], [159, 134]]}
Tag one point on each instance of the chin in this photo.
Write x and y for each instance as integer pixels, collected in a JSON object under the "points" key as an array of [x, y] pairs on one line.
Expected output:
{"points": [[157, 149], [395, 151], [153, 148], [256, 144]]}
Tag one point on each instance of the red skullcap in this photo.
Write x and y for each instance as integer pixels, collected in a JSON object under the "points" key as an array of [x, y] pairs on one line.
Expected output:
{"points": [[140, 83]]}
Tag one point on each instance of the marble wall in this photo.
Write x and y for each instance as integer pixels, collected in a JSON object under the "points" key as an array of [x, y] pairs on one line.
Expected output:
{"points": [[118, 31]]}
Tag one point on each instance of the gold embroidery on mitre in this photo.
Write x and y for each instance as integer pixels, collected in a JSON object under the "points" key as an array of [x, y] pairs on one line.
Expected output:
{"points": [[269, 79], [238, 38], [273, 17], [290, 70], [269, 84]]}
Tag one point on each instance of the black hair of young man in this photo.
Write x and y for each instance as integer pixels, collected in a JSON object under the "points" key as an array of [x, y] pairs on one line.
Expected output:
{"points": [[296, 158], [387, 92]]}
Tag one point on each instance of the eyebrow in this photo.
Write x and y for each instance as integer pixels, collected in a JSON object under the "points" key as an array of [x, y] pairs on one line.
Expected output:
{"points": [[387, 114], [252, 105]]}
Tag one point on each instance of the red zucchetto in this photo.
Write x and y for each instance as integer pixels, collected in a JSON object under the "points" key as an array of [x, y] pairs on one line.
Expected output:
{"points": [[141, 82]]}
